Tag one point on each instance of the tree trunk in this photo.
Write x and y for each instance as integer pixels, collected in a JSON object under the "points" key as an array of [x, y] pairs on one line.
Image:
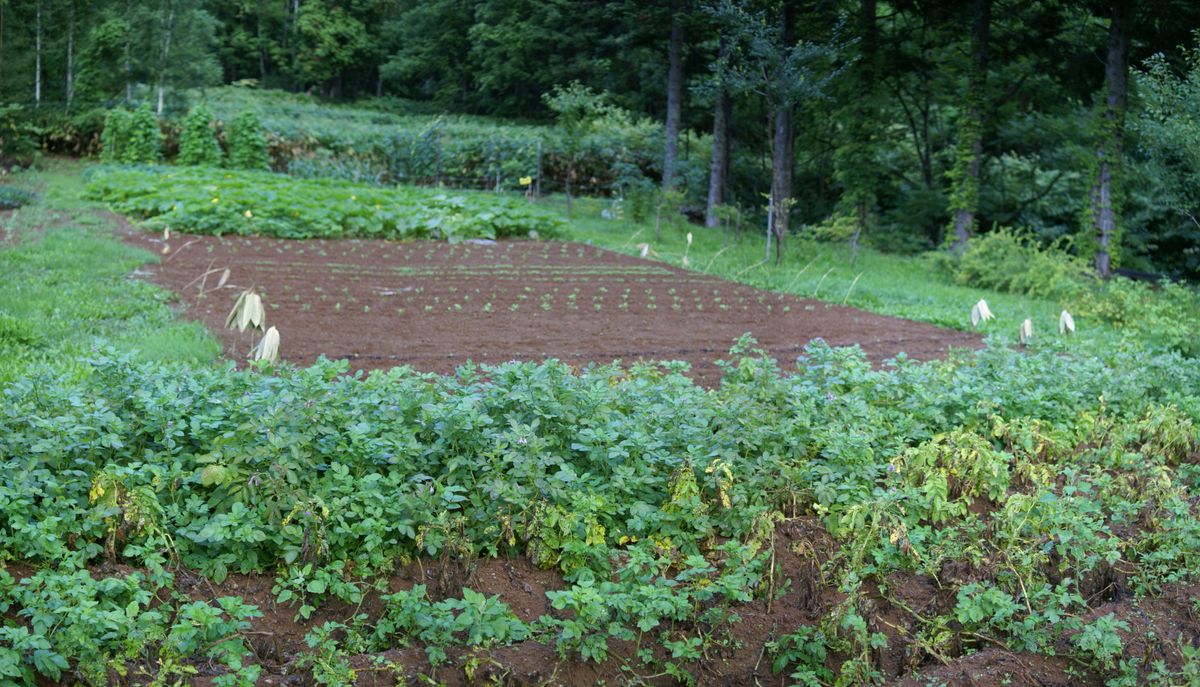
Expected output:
{"points": [[719, 169], [262, 52], [1108, 152], [168, 28], [128, 51], [570, 176], [70, 54], [966, 191], [782, 155], [295, 39], [2, 6], [781, 176], [674, 97], [863, 184], [128, 73], [37, 60]]}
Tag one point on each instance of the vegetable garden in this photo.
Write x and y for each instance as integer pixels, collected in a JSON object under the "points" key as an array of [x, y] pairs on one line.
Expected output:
{"points": [[804, 515]]}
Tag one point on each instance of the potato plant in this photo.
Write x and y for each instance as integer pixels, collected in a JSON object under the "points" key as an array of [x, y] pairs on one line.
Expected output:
{"points": [[658, 501]]}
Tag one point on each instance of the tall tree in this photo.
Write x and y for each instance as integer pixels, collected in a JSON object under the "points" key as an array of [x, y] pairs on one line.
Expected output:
{"points": [[166, 34], [784, 72], [964, 196], [1112, 130], [127, 61], [432, 56], [70, 52], [783, 143], [37, 69], [3, 26], [674, 95], [855, 158], [719, 167]]}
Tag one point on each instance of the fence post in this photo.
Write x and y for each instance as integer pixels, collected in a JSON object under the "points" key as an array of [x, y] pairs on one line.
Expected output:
{"points": [[437, 155], [496, 148], [537, 180]]}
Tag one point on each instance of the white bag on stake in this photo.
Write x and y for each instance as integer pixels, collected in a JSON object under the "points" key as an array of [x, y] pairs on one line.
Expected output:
{"points": [[980, 313], [267, 347], [1066, 323]]}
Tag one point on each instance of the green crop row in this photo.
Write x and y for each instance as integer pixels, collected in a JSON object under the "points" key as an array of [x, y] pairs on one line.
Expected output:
{"points": [[216, 201], [308, 474]]}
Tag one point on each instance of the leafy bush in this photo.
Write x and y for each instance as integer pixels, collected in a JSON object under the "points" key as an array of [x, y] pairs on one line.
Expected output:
{"points": [[115, 139], [18, 139], [212, 201], [836, 228], [12, 198], [143, 141], [474, 620], [1166, 315], [247, 146], [77, 626], [1005, 261], [198, 143]]}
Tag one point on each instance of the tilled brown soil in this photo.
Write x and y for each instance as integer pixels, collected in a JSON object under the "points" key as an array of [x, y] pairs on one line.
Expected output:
{"points": [[434, 306]]}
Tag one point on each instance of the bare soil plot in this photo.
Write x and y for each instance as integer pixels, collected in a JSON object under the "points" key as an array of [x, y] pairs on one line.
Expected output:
{"points": [[434, 305]]}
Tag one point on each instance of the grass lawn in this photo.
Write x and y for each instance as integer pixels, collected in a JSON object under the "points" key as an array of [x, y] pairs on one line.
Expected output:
{"points": [[911, 287], [69, 285]]}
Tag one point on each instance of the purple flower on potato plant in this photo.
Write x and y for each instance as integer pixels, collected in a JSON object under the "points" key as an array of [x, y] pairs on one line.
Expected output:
{"points": [[254, 480]]}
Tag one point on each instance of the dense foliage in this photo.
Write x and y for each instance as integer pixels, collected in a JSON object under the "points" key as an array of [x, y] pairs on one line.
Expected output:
{"points": [[207, 200], [247, 145], [911, 118], [12, 198], [198, 142], [308, 474], [616, 155]]}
